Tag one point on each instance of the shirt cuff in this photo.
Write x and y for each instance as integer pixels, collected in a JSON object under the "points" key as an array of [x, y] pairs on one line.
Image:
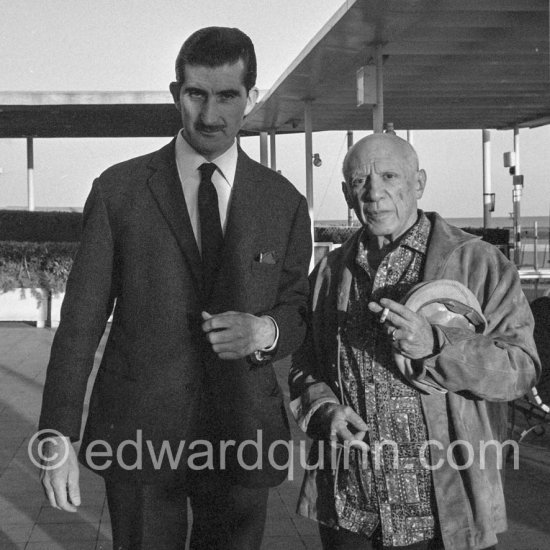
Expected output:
{"points": [[264, 355], [276, 341], [302, 416]]}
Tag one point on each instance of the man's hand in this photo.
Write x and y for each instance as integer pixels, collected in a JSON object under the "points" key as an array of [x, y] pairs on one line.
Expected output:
{"points": [[234, 335], [60, 479], [338, 423], [410, 332]]}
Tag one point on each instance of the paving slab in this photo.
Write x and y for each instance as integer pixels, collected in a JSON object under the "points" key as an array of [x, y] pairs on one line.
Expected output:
{"points": [[27, 521]]}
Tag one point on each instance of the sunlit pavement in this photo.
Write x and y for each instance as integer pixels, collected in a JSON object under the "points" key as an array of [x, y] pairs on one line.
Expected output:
{"points": [[28, 522]]}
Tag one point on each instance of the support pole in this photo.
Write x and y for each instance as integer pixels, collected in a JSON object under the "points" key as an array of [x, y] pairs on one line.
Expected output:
{"points": [[378, 110], [516, 199], [350, 210], [487, 184], [30, 174], [309, 156], [272, 150], [535, 251], [516, 151], [263, 148], [410, 137], [308, 132]]}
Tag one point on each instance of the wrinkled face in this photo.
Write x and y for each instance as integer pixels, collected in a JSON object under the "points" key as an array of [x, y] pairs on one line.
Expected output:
{"points": [[213, 102], [383, 187]]}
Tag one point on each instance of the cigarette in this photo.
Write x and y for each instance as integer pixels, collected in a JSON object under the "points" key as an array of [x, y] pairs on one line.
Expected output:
{"points": [[384, 315]]}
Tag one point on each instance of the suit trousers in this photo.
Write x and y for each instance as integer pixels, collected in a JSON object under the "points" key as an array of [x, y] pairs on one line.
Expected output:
{"points": [[225, 516]]}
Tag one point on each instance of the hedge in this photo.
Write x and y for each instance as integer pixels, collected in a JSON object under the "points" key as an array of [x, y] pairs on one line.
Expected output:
{"points": [[37, 248], [336, 234], [35, 265], [339, 234], [39, 227]]}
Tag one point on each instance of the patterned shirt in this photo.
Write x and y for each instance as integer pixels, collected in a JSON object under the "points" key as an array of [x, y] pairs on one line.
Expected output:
{"points": [[389, 487]]}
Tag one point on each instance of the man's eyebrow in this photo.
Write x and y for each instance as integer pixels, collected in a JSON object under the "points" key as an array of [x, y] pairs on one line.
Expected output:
{"points": [[191, 88], [227, 91], [233, 91]]}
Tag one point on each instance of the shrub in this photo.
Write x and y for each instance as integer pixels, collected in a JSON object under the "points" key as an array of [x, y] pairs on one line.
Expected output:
{"points": [[40, 227], [336, 234], [32, 265]]}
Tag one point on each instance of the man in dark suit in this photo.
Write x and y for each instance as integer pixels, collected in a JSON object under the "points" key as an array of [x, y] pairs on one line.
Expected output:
{"points": [[204, 255]]}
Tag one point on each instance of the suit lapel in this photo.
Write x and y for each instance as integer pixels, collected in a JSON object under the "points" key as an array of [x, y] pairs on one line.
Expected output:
{"points": [[165, 186], [244, 211], [243, 204]]}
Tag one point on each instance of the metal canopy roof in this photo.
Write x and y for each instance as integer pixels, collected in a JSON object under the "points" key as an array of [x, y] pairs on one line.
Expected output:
{"points": [[87, 114], [448, 64]]}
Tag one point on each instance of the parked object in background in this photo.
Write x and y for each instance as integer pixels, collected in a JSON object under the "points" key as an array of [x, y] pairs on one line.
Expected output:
{"points": [[535, 406]]}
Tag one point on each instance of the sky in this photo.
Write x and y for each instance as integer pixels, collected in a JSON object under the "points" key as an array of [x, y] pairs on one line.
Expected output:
{"points": [[131, 45]]}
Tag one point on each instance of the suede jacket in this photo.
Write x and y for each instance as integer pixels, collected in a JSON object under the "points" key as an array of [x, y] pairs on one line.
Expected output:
{"points": [[480, 372]]}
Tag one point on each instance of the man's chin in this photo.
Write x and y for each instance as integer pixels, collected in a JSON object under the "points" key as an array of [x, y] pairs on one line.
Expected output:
{"points": [[210, 147], [378, 229]]}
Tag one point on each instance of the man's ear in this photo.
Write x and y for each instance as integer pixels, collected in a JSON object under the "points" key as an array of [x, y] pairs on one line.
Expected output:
{"points": [[420, 183], [251, 100], [345, 190], [175, 88]]}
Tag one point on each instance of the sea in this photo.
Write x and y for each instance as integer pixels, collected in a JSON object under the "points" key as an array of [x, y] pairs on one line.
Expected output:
{"points": [[527, 223]]}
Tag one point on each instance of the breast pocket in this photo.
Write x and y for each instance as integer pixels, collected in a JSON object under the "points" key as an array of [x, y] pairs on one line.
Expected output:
{"points": [[262, 269]]}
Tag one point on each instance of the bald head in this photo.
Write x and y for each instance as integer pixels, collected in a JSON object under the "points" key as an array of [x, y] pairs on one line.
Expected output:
{"points": [[383, 185], [387, 144]]}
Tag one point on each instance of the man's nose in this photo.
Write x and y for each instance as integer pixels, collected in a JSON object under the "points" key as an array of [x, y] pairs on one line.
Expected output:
{"points": [[209, 112], [374, 188]]}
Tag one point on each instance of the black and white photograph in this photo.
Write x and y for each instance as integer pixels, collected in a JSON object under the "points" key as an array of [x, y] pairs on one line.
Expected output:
{"points": [[275, 275]]}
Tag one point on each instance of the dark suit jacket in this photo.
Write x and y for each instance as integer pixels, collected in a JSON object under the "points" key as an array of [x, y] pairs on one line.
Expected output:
{"points": [[158, 380]]}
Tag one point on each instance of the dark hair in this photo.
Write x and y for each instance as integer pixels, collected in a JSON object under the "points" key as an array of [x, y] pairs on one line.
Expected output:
{"points": [[215, 46]]}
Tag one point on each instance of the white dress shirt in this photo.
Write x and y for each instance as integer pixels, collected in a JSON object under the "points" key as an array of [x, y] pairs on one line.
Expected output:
{"points": [[188, 162]]}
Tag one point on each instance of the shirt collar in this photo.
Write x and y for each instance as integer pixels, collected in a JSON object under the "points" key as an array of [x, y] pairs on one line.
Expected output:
{"points": [[417, 236], [189, 160]]}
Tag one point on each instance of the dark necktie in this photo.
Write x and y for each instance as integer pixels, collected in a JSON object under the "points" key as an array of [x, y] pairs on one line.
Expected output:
{"points": [[211, 227]]}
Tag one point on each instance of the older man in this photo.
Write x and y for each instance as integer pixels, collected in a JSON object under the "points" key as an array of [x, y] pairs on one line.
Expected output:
{"points": [[434, 485]]}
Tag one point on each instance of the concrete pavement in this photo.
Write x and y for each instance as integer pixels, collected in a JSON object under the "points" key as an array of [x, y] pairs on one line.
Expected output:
{"points": [[27, 521]]}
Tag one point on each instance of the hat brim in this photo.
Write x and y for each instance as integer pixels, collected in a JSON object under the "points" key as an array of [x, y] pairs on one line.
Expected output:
{"points": [[430, 297]]}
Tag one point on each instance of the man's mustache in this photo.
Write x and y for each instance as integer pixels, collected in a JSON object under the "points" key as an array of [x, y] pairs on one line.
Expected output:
{"points": [[209, 128]]}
